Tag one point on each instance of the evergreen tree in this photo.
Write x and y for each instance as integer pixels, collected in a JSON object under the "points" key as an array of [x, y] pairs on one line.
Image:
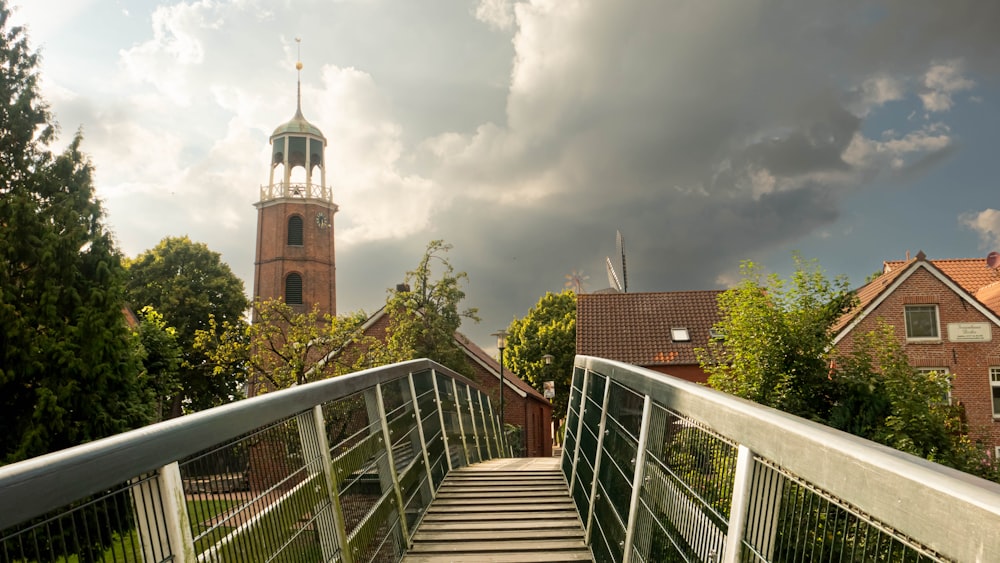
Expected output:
{"points": [[68, 373]]}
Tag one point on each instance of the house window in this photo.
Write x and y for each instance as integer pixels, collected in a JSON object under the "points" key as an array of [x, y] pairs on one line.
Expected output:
{"points": [[680, 335], [922, 322], [293, 289], [995, 388], [946, 394], [295, 230]]}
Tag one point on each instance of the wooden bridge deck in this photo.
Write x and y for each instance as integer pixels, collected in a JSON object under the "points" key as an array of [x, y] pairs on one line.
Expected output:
{"points": [[505, 510]]}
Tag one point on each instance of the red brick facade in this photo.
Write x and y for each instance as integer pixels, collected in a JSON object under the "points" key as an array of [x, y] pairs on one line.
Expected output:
{"points": [[969, 362], [314, 259]]}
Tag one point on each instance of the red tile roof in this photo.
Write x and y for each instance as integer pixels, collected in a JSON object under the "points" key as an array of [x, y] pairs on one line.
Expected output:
{"points": [[636, 327], [970, 273]]}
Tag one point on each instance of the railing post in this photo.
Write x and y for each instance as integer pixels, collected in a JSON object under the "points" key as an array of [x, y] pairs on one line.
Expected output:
{"points": [[597, 456], [579, 428], [472, 416], [386, 466], [316, 449], [444, 429], [163, 517], [759, 523], [482, 421], [420, 434], [497, 433], [461, 425], [637, 478]]}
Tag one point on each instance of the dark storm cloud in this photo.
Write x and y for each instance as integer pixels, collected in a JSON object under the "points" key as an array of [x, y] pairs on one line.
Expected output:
{"points": [[705, 131]]}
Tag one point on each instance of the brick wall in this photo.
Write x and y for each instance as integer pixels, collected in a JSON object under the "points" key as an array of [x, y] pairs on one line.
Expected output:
{"points": [[968, 362], [314, 260]]}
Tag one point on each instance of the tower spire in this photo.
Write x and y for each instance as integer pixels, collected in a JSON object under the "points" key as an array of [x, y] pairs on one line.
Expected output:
{"points": [[298, 78]]}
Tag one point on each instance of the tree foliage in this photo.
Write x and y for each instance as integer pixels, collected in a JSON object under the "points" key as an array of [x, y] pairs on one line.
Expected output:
{"points": [[161, 358], [548, 328], [426, 314], [68, 373], [190, 286], [282, 347], [883, 398], [777, 351], [777, 334]]}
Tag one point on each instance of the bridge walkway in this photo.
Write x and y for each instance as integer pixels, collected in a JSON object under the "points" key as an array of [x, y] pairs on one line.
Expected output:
{"points": [[508, 510]]}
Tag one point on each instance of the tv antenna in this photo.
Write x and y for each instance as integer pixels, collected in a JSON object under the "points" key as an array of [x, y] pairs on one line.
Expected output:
{"points": [[617, 284]]}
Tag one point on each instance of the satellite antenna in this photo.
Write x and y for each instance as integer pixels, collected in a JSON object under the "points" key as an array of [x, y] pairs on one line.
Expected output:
{"points": [[993, 260]]}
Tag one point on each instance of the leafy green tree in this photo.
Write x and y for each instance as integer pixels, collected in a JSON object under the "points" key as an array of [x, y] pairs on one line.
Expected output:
{"points": [[777, 337], [161, 358], [189, 285], [884, 399], [424, 317], [282, 347], [67, 369], [548, 328], [777, 351]]}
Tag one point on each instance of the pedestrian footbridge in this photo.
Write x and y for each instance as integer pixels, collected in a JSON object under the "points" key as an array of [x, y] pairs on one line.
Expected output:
{"points": [[409, 462]]}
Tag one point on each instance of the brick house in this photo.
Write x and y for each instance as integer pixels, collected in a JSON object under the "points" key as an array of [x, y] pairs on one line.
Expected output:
{"points": [[944, 313], [523, 405], [659, 331]]}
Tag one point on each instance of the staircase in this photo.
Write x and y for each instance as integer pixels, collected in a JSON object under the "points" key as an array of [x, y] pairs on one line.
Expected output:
{"points": [[509, 510]]}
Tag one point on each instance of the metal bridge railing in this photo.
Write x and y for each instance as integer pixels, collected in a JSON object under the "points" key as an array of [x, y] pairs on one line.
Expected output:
{"points": [[337, 470], [666, 470]]}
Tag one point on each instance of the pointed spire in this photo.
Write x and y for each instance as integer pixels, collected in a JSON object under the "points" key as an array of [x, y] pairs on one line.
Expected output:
{"points": [[298, 78]]}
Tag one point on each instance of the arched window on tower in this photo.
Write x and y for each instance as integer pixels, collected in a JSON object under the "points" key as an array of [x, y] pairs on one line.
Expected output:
{"points": [[295, 230], [293, 289]]}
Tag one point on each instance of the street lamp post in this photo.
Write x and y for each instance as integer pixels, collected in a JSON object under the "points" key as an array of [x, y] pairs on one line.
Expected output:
{"points": [[501, 344]]}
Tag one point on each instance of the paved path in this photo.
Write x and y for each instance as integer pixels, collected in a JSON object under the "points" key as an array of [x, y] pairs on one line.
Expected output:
{"points": [[504, 510]]}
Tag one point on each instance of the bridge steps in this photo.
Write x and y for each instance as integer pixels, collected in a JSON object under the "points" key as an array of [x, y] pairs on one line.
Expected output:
{"points": [[506, 510]]}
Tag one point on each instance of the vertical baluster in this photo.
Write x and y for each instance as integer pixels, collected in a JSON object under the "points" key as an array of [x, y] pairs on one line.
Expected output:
{"points": [[472, 417], [486, 426], [637, 478], [316, 449], [444, 428], [423, 441], [387, 467], [579, 427], [597, 457], [461, 425], [163, 499]]}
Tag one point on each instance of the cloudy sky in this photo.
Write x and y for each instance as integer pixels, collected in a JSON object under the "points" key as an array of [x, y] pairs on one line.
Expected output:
{"points": [[527, 132]]}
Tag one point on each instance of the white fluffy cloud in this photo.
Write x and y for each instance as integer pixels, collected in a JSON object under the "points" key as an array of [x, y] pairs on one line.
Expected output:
{"points": [[986, 224], [941, 82]]}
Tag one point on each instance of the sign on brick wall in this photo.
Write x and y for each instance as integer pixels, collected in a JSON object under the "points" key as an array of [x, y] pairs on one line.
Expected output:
{"points": [[969, 332]]}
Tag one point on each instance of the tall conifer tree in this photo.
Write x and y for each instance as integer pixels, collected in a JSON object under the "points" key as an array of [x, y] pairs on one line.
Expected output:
{"points": [[68, 373]]}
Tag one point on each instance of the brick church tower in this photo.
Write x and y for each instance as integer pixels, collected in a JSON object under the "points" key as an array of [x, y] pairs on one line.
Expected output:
{"points": [[295, 250]]}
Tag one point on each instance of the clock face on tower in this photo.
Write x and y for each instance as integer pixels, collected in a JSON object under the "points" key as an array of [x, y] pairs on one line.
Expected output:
{"points": [[321, 221]]}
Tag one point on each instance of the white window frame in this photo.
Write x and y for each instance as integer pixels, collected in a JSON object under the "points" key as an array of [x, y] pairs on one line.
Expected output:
{"points": [[995, 388], [937, 323], [939, 370]]}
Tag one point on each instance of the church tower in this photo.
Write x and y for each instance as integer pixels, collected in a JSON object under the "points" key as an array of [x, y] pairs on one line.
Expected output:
{"points": [[295, 250]]}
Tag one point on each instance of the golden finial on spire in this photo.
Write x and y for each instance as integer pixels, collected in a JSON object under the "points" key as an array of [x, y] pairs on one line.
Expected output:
{"points": [[298, 53]]}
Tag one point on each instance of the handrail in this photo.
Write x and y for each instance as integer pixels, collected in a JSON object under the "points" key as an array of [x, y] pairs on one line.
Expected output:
{"points": [[764, 454], [39, 486]]}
